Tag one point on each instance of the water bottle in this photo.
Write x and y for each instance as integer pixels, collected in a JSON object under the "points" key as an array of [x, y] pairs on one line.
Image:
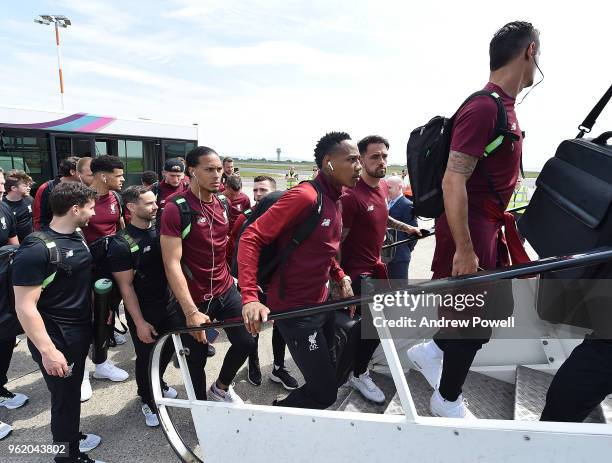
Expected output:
{"points": [[102, 291]]}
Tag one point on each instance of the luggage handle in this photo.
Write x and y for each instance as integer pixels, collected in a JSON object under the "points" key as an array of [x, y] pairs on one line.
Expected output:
{"points": [[589, 122], [603, 138]]}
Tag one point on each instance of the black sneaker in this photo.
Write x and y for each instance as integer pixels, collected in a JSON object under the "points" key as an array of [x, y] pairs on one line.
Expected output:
{"points": [[84, 458], [254, 372], [211, 350], [281, 375]]}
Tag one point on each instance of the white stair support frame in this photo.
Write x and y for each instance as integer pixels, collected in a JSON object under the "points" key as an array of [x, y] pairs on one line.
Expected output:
{"points": [[180, 356], [395, 367], [554, 352]]}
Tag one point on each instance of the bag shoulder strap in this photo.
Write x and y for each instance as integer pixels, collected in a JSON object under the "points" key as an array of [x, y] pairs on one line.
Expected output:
{"points": [[133, 246], [224, 202], [501, 124], [155, 189], [55, 259], [591, 118], [119, 202], [186, 215], [300, 234]]}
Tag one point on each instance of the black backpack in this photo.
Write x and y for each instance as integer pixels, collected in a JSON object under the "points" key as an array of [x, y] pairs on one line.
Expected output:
{"points": [[9, 324], [427, 155], [271, 257]]}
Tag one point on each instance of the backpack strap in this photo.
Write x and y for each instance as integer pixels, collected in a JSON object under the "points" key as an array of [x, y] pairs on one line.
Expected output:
{"points": [[119, 202], [224, 202], [134, 248], [155, 189], [55, 258], [501, 124], [300, 234], [185, 213], [501, 132]]}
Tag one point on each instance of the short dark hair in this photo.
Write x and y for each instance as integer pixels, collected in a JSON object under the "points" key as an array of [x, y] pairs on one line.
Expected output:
{"points": [[66, 165], [234, 182], [149, 177], [67, 194], [227, 159], [132, 194], [193, 157], [510, 41], [105, 163], [370, 139], [328, 143], [263, 178]]}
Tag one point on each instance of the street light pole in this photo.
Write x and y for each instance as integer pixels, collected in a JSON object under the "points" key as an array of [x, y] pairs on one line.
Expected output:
{"points": [[59, 63], [58, 21]]}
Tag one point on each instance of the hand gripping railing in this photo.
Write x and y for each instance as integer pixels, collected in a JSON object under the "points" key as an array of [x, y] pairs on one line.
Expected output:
{"points": [[596, 256]]}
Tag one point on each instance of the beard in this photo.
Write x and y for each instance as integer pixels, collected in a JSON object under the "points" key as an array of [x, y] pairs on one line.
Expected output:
{"points": [[379, 173]]}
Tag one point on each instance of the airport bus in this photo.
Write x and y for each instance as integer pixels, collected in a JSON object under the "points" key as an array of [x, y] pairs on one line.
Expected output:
{"points": [[36, 141]]}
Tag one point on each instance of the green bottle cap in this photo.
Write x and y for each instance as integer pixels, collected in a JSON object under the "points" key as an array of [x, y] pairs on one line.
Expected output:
{"points": [[103, 286]]}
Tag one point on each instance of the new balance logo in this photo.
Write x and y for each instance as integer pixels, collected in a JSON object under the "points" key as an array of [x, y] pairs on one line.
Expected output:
{"points": [[69, 253], [146, 249], [325, 222], [370, 208]]}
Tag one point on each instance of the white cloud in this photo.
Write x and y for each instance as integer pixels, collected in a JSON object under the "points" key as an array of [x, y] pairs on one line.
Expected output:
{"points": [[281, 53]]}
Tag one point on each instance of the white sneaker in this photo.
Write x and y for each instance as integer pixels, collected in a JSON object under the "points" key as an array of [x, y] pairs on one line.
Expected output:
{"points": [[119, 339], [5, 430], [229, 396], [151, 419], [430, 366], [88, 442], [367, 388], [169, 392], [86, 391], [107, 370], [11, 400], [439, 406]]}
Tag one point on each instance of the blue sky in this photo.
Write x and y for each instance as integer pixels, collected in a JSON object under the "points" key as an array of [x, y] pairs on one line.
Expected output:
{"points": [[257, 75]]}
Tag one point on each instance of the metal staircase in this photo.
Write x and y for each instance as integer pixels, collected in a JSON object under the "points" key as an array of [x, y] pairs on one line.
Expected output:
{"points": [[488, 398]]}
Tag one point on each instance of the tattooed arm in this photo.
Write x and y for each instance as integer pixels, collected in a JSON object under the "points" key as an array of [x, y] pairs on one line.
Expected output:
{"points": [[458, 170]]}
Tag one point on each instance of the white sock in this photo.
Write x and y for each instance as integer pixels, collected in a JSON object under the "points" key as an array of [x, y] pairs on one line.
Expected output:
{"points": [[433, 349]]}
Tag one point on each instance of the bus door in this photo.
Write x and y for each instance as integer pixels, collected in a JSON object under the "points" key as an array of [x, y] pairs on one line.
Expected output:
{"points": [[63, 146]]}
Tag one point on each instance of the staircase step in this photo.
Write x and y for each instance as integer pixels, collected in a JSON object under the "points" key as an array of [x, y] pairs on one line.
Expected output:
{"points": [[395, 406], [530, 397], [355, 402], [343, 392], [488, 398]]}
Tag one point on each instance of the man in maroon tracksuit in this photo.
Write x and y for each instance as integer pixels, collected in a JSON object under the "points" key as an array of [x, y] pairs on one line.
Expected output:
{"points": [[365, 219], [173, 181], [303, 278], [239, 201], [468, 233]]}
